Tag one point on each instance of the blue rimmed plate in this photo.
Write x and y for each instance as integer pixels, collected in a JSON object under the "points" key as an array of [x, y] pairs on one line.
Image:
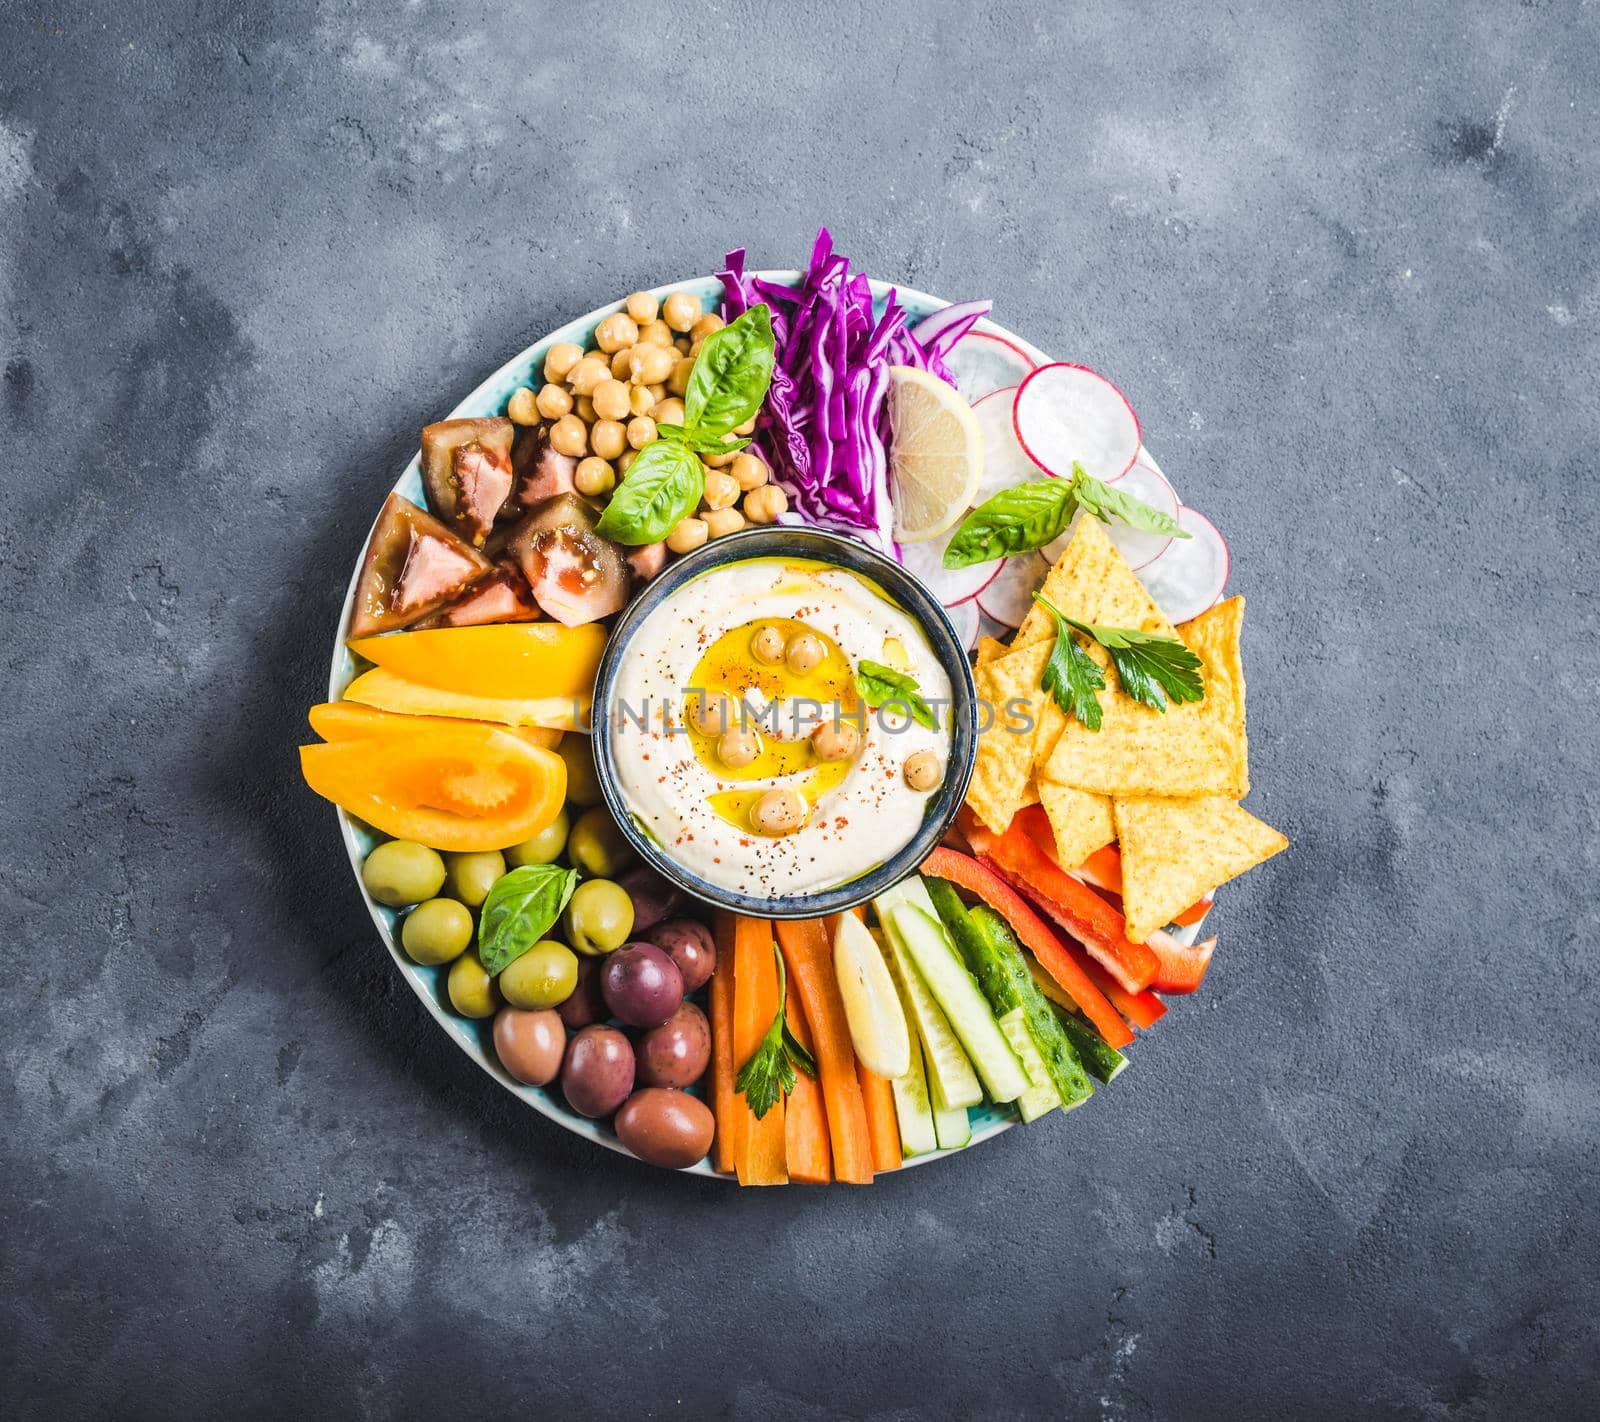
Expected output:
{"points": [[429, 983]]}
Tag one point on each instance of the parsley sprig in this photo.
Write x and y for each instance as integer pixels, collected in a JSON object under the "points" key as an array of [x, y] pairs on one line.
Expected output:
{"points": [[1152, 669], [769, 1073], [1071, 675]]}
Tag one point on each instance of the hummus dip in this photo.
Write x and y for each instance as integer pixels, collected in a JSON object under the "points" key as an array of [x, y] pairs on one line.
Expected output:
{"points": [[742, 742]]}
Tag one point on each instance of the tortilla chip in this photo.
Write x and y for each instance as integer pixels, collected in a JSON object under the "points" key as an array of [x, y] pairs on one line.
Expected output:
{"points": [[1092, 582], [1080, 822], [1190, 749], [989, 650], [1052, 721], [1001, 774], [1214, 636], [1174, 852]]}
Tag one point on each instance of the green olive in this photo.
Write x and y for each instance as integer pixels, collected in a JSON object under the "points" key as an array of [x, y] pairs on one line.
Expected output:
{"points": [[544, 976], [436, 931], [402, 872], [583, 785], [599, 917], [471, 876], [545, 847], [472, 991], [597, 846]]}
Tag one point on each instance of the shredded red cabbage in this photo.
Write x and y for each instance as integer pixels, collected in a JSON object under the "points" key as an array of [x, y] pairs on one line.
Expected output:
{"points": [[824, 427]]}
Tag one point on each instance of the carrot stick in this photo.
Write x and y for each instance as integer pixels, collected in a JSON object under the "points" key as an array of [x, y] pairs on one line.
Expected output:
{"points": [[810, 958], [805, 1124], [724, 1099], [759, 1158], [883, 1126]]}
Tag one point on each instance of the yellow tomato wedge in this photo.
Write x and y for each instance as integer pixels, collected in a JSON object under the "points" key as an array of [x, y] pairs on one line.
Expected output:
{"points": [[513, 661], [351, 721], [389, 692], [463, 787]]}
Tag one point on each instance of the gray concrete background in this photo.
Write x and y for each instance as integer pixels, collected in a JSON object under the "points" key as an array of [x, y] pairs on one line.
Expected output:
{"points": [[1345, 259]]}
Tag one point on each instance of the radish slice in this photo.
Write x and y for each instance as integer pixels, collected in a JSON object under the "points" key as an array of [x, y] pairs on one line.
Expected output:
{"points": [[982, 363], [1004, 461], [1008, 598], [952, 586], [1138, 547], [1067, 414], [964, 618], [1190, 576]]}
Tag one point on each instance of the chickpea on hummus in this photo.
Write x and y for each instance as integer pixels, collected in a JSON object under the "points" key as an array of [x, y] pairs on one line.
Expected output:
{"points": [[742, 743]]}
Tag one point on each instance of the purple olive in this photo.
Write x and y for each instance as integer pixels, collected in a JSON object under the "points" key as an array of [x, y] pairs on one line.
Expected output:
{"points": [[587, 1004], [653, 897], [689, 944], [677, 1052], [667, 1128], [642, 985], [530, 1045], [597, 1075]]}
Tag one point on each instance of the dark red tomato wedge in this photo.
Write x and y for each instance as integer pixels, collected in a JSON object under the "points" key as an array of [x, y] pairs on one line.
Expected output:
{"points": [[540, 472], [413, 565], [576, 576], [467, 472], [503, 596]]}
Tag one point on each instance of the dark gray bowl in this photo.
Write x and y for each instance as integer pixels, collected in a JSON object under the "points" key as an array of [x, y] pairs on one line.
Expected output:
{"points": [[917, 601]]}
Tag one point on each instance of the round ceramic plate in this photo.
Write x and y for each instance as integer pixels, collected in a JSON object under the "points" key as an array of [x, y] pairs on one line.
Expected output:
{"points": [[429, 983]]}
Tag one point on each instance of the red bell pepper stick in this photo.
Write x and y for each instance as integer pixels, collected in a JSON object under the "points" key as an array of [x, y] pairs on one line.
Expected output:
{"points": [[1143, 1009], [967, 873], [1034, 823], [1102, 869], [1182, 967], [1075, 906]]}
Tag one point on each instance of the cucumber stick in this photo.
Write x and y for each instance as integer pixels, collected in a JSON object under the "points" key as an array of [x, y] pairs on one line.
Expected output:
{"points": [[1105, 1062], [913, 1109], [953, 989], [914, 1091], [950, 1123], [947, 1064], [997, 961], [1041, 1096]]}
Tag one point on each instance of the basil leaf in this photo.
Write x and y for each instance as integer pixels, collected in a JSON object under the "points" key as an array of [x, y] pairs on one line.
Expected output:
{"points": [[1071, 675], [731, 374], [879, 685], [1016, 520], [662, 486], [519, 911], [702, 442], [1106, 503]]}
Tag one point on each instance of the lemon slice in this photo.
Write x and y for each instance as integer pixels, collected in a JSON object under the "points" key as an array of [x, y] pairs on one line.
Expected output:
{"points": [[871, 1004], [935, 457]]}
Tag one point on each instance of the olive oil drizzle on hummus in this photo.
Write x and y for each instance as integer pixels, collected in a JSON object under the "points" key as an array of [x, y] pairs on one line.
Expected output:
{"points": [[765, 699]]}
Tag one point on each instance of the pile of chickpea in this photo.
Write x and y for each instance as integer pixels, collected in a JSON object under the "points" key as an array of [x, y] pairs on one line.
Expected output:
{"points": [[602, 406]]}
